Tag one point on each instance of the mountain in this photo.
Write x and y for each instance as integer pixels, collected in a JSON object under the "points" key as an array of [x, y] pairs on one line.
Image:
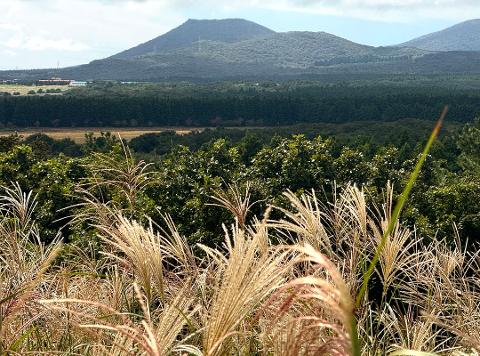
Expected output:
{"points": [[192, 31], [295, 50], [464, 36], [237, 49]]}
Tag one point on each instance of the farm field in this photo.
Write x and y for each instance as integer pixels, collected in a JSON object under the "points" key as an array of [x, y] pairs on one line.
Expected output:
{"points": [[24, 89], [78, 135]]}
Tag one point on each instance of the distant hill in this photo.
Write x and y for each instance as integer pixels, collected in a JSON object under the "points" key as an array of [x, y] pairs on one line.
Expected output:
{"points": [[296, 50], [464, 36], [192, 31], [202, 50]]}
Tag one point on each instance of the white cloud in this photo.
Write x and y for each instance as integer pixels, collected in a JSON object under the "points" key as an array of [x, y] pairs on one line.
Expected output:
{"points": [[9, 27], [38, 43], [381, 10], [16, 36], [77, 31], [9, 52]]}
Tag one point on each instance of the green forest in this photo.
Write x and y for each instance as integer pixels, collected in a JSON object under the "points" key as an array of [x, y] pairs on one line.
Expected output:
{"points": [[107, 104], [187, 169]]}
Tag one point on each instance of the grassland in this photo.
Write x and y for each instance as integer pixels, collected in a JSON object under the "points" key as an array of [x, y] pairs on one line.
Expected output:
{"points": [[24, 89], [78, 134]]}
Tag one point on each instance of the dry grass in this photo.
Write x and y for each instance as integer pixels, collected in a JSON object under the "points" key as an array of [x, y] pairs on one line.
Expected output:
{"points": [[24, 89], [150, 294], [78, 134]]}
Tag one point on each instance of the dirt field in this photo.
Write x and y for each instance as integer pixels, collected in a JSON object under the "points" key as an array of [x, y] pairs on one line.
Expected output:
{"points": [[24, 89], [78, 135]]}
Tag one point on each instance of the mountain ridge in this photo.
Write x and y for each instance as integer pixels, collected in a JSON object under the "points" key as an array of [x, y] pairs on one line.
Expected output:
{"points": [[236, 49], [464, 36], [192, 31]]}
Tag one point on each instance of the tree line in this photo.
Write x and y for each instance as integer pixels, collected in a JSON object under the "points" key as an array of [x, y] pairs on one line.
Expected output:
{"points": [[229, 109]]}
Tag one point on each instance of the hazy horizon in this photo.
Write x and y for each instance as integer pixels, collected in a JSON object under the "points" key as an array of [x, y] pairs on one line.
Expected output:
{"points": [[47, 33]]}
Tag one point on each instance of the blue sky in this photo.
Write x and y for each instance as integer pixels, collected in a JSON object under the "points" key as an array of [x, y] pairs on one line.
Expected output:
{"points": [[44, 33]]}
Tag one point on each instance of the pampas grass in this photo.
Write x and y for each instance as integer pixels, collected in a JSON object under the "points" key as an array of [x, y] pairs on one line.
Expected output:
{"points": [[343, 277], [150, 294]]}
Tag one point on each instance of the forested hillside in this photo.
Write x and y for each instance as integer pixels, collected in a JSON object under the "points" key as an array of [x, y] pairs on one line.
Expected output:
{"points": [[464, 36], [192, 31]]}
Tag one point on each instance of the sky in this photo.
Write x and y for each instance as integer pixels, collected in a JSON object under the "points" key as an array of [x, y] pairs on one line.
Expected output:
{"points": [[51, 33]]}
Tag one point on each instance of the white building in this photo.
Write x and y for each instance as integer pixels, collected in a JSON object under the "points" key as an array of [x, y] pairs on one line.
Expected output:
{"points": [[75, 83]]}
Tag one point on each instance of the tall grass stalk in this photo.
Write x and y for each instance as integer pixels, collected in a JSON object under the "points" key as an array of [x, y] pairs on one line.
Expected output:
{"points": [[395, 218]]}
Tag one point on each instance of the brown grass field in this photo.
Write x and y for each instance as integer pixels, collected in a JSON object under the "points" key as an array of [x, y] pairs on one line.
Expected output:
{"points": [[78, 134], [24, 89]]}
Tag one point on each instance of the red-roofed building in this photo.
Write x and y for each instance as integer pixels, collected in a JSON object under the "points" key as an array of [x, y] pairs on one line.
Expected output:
{"points": [[54, 81]]}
